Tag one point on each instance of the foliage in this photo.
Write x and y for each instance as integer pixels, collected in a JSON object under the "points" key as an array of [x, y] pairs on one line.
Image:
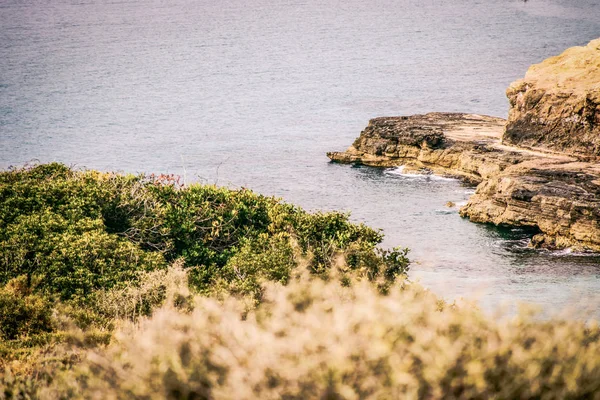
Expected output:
{"points": [[271, 259], [78, 232], [85, 253], [92, 247], [52, 230], [153, 289], [23, 313], [316, 339]]}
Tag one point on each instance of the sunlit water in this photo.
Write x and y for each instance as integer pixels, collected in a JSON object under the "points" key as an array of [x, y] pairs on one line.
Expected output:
{"points": [[253, 93]]}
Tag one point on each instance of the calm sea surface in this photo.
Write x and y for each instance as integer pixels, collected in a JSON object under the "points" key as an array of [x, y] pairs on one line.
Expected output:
{"points": [[254, 92]]}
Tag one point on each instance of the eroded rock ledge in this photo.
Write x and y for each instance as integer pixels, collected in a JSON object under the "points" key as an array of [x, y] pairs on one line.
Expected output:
{"points": [[541, 168], [558, 194], [556, 106]]}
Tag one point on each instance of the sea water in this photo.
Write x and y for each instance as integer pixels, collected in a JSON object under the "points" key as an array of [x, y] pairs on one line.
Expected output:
{"points": [[253, 93]]}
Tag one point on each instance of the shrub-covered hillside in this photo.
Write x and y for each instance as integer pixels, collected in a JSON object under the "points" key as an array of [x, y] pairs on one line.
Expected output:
{"points": [[67, 237], [137, 287], [70, 232]]}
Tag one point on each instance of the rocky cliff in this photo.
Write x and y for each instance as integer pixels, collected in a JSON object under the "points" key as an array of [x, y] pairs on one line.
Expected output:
{"points": [[557, 194], [556, 107], [559, 197], [455, 144], [541, 168]]}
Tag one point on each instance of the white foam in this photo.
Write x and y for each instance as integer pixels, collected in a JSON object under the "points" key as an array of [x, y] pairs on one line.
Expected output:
{"points": [[441, 178], [399, 171], [565, 252], [395, 171]]}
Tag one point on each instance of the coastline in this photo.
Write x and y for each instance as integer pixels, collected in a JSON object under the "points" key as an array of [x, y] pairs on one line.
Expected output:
{"points": [[555, 193], [539, 168]]}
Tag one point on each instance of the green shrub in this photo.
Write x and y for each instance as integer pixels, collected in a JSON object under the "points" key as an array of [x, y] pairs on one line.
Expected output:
{"points": [[78, 232], [326, 234], [53, 231], [22, 313], [149, 291], [270, 259], [206, 225], [70, 258], [90, 250]]}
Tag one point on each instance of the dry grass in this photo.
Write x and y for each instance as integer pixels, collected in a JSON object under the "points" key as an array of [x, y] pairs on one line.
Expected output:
{"points": [[151, 289], [316, 339]]}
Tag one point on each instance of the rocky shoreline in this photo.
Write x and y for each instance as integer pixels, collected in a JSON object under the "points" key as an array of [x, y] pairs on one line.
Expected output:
{"points": [[539, 169]]}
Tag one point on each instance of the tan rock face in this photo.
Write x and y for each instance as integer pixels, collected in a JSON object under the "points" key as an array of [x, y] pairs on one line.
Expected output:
{"points": [[560, 198], [540, 169], [556, 194], [446, 143], [556, 107]]}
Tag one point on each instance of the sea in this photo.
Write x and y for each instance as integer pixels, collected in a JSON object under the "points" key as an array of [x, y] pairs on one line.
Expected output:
{"points": [[253, 93]]}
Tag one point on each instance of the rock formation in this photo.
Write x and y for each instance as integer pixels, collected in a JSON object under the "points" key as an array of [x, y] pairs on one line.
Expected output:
{"points": [[462, 145], [559, 197], [557, 194], [540, 169], [556, 107]]}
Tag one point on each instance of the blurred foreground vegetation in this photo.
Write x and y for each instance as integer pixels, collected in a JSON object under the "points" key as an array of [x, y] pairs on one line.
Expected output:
{"points": [[119, 286]]}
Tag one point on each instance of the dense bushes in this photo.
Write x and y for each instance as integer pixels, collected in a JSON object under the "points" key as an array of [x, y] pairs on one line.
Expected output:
{"points": [[318, 340], [22, 313], [218, 293], [77, 232], [52, 231], [73, 236]]}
